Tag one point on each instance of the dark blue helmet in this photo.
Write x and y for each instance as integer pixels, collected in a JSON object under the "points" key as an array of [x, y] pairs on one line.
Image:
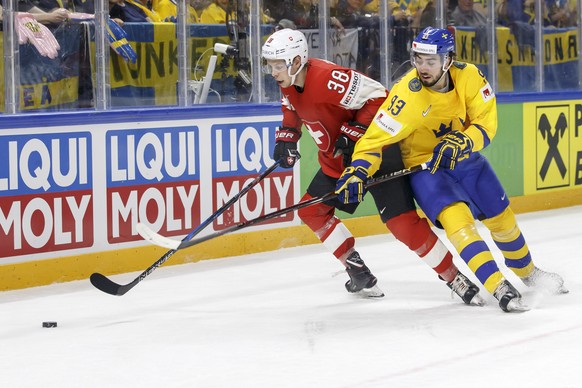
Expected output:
{"points": [[434, 41]]}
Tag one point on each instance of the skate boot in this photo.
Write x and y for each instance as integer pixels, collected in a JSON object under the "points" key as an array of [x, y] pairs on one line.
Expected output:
{"points": [[552, 282], [361, 279], [509, 298], [466, 289]]}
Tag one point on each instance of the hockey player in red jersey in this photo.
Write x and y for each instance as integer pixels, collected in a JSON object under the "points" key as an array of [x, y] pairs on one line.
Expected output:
{"points": [[335, 105]]}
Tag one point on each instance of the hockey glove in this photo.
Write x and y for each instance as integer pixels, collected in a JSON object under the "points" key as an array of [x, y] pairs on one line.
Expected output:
{"points": [[31, 31], [350, 187], [453, 147], [351, 132], [286, 146], [118, 42]]}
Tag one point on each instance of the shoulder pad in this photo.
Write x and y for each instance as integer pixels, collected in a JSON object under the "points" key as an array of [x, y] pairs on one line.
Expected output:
{"points": [[414, 85], [459, 65]]}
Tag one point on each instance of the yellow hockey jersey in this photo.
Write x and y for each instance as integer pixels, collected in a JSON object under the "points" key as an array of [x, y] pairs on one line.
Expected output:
{"points": [[418, 117]]}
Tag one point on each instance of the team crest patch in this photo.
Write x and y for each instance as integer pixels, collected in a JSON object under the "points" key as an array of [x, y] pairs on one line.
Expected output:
{"points": [[459, 65], [414, 85], [487, 92]]}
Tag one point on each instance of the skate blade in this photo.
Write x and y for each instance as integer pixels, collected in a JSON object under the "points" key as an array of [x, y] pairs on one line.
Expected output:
{"points": [[477, 301], [562, 290], [517, 305], [372, 292], [551, 289]]}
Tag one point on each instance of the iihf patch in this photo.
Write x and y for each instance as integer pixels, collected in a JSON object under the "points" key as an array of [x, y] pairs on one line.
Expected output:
{"points": [[459, 65], [414, 85], [487, 92], [387, 123]]}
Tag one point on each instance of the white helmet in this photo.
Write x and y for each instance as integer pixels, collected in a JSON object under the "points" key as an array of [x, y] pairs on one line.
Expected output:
{"points": [[286, 44]]}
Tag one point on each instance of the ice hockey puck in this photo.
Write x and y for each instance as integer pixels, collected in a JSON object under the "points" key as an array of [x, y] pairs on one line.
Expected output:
{"points": [[49, 324]]}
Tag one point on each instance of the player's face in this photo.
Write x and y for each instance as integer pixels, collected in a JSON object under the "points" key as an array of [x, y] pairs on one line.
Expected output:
{"points": [[278, 70], [222, 3], [429, 68]]}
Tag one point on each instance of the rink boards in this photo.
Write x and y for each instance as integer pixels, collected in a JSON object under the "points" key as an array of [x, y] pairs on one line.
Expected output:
{"points": [[73, 186]]}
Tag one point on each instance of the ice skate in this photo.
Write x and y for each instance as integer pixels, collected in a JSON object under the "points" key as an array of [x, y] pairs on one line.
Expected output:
{"points": [[549, 281], [361, 281], [466, 289], [509, 298]]}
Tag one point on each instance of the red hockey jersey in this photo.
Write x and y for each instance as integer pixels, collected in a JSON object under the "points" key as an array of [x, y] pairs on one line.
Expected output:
{"points": [[332, 95]]}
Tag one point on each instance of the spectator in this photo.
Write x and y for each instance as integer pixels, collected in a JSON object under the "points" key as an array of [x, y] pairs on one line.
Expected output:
{"points": [[519, 16], [411, 8], [561, 13], [52, 15], [85, 6], [167, 11], [216, 12], [29, 30], [350, 13], [479, 6], [465, 14], [305, 14], [426, 16], [199, 5], [130, 11], [518, 11], [279, 9]]}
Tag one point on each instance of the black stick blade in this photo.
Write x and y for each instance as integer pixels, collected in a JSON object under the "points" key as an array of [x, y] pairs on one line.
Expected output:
{"points": [[108, 286]]}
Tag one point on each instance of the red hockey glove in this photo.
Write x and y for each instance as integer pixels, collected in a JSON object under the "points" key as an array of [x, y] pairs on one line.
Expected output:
{"points": [[286, 146], [351, 132]]}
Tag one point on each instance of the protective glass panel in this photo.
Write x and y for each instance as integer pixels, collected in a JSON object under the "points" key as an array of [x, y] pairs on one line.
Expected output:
{"points": [[52, 69], [473, 32], [361, 26], [407, 19], [560, 45], [519, 47]]}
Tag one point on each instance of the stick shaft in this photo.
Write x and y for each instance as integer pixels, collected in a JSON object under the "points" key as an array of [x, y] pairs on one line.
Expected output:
{"points": [[106, 285], [297, 206]]}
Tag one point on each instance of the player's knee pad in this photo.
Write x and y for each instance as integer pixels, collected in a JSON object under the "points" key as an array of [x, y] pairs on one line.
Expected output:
{"points": [[463, 237], [410, 229], [503, 225], [315, 216], [456, 217]]}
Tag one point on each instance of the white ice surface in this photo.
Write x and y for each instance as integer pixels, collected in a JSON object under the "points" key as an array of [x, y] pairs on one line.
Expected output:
{"points": [[284, 319]]}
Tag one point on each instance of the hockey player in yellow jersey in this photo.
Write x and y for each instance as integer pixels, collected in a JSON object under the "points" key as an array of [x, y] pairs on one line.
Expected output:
{"points": [[443, 113]]}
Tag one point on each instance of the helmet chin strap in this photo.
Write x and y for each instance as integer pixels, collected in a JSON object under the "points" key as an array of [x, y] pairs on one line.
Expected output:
{"points": [[444, 69], [440, 78], [293, 76]]}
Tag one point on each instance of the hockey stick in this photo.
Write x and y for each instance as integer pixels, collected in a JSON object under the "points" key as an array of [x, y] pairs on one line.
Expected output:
{"points": [[166, 242], [105, 284]]}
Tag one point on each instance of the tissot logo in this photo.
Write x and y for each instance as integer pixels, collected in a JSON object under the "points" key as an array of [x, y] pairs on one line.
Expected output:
{"points": [[552, 146]]}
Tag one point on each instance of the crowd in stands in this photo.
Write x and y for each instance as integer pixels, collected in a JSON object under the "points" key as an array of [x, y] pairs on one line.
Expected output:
{"points": [[303, 14], [407, 17]]}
